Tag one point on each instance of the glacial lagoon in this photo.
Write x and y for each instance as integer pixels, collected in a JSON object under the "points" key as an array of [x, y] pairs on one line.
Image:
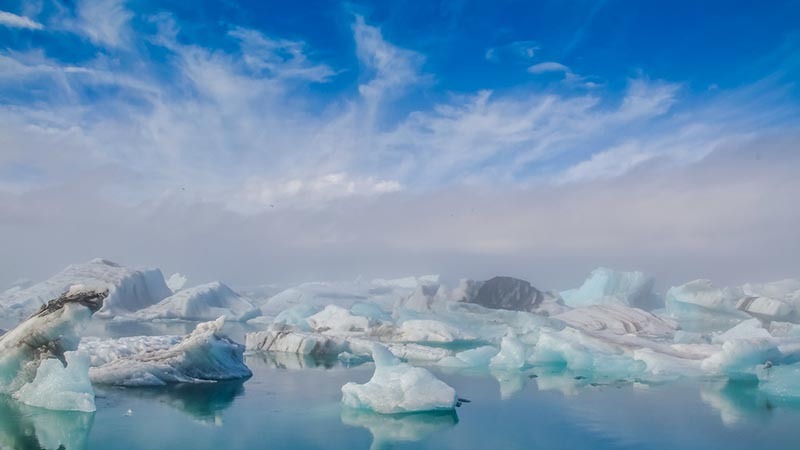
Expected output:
{"points": [[293, 402]]}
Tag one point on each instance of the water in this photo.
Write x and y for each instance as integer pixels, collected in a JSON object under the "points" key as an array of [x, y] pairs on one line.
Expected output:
{"points": [[294, 403]]}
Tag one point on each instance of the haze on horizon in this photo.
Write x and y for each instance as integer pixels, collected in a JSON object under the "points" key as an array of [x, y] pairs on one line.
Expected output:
{"points": [[258, 142]]}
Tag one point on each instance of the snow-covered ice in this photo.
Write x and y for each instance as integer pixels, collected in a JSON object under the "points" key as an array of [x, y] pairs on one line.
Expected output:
{"points": [[204, 355], [200, 303], [397, 387], [128, 289]]}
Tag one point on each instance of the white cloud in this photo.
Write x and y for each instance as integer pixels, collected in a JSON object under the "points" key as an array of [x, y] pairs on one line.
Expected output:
{"points": [[231, 140], [548, 66], [14, 21], [104, 22]]}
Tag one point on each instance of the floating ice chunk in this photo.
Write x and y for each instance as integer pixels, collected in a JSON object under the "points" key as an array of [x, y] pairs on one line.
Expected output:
{"points": [[512, 355], [287, 340], [204, 302], [580, 352], [475, 357], [128, 289], [786, 290], [60, 388], [337, 319], [176, 282], [620, 320], [611, 287], [700, 300], [384, 293], [49, 333], [424, 298], [739, 358], [103, 350], [296, 316], [780, 381], [371, 311], [768, 309], [426, 330], [204, 355], [397, 387], [388, 430], [748, 329]]}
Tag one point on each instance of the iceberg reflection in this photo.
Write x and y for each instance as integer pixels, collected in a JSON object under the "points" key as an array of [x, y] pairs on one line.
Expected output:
{"points": [[388, 429], [203, 402], [23, 427]]}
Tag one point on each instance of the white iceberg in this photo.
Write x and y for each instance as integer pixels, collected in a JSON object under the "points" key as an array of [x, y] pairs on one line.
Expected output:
{"points": [[59, 387], [103, 350], [611, 287], [128, 289], [699, 300], [204, 355], [474, 357], [200, 303], [48, 334], [337, 319], [397, 387], [512, 355], [288, 340], [384, 293]]}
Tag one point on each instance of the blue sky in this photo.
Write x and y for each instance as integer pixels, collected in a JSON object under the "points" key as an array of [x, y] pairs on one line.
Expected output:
{"points": [[227, 118]]}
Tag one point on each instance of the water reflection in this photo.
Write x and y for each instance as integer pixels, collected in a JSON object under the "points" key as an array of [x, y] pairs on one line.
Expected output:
{"points": [[738, 402], [393, 428], [293, 361], [26, 428], [203, 402]]}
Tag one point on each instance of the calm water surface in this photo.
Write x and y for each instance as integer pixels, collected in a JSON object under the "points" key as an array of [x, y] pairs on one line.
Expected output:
{"points": [[293, 403]]}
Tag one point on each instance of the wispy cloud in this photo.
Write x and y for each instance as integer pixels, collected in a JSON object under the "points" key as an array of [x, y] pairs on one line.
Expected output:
{"points": [[14, 21]]}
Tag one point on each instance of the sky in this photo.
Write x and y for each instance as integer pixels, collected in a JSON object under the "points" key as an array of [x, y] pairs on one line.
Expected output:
{"points": [[281, 142]]}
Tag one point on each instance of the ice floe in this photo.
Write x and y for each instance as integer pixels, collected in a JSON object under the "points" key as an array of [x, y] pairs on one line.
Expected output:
{"points": [[397, 387], [205, 355]]}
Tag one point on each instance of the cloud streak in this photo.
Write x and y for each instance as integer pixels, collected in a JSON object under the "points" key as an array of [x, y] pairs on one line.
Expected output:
{"points": [[14, 21]]}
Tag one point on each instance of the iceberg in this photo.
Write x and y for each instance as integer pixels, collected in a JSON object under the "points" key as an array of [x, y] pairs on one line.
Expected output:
{"points": [[782, 381], [128, 289], [474, 357], [205, 355], [512, 355], [611, 287], [285, 339], [699, 300], [50, 333], [384, 293], [59, 387], [200, 303], [397, 387], [339, 320]]}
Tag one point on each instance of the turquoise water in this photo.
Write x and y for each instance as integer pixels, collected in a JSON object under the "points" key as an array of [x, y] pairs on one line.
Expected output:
{"points": [[294, 403], [284, 407]]}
